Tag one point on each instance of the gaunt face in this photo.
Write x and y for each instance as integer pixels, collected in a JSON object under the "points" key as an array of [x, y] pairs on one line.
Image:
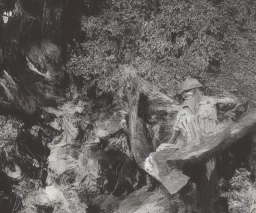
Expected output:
{"points": [[188, 93]]}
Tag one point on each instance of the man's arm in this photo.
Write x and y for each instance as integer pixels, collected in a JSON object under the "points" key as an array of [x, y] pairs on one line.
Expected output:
{"points": [[175, 134], [176, 129], [171, 143], [229, 105], [227, 101], [174, 137]]}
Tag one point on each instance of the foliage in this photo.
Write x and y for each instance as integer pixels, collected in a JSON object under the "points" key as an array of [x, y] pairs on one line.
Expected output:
{"points": [[166, 40], [169, 40], [240, 192]]}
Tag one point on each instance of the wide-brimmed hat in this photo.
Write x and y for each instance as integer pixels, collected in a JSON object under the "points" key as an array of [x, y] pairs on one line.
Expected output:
{"points": [[190, 83]]}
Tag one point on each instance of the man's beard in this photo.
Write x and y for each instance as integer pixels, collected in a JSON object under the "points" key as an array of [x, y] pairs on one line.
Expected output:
{"points": [[193, 101]]}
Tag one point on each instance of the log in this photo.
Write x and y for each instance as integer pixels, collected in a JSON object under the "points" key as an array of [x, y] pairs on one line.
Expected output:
{"points": [[167, 165], [140, 143], [158, 101]]}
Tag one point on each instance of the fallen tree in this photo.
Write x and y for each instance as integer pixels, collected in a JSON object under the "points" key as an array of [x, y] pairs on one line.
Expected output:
{"points": [[169, 165], [158, 101], [140, 142]]}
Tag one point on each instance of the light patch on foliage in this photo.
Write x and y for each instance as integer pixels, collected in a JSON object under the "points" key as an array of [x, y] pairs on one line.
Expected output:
{"points": [[241, 192]]}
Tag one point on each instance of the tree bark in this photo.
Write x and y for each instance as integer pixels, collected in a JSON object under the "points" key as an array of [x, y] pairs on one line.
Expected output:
{"points": [[140, 142], [158, 101]]}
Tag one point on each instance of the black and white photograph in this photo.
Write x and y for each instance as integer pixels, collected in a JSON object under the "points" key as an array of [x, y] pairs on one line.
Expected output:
{"points": [[127, 106]]}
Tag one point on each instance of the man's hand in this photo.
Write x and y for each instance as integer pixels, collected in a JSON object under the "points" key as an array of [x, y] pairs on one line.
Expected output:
{"points": [[231, 114]]}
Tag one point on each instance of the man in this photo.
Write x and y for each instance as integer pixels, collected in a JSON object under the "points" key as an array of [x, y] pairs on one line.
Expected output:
{"points": [[196, 120], [197, 117]]}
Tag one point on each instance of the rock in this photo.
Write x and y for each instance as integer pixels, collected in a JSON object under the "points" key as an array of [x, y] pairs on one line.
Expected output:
{"points": [[91, 169], [68, 173], [29, 210], [9, 128], [60, 159], [109, 123], [158, 201], [67, 109], [47, 56], [52, 196], [142, 201], [73, 170], [11, 158], [119, 143], [14, 173]]}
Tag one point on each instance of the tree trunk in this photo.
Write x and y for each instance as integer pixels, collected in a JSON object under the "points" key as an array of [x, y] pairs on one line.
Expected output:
{"points": [[140, 141]]}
